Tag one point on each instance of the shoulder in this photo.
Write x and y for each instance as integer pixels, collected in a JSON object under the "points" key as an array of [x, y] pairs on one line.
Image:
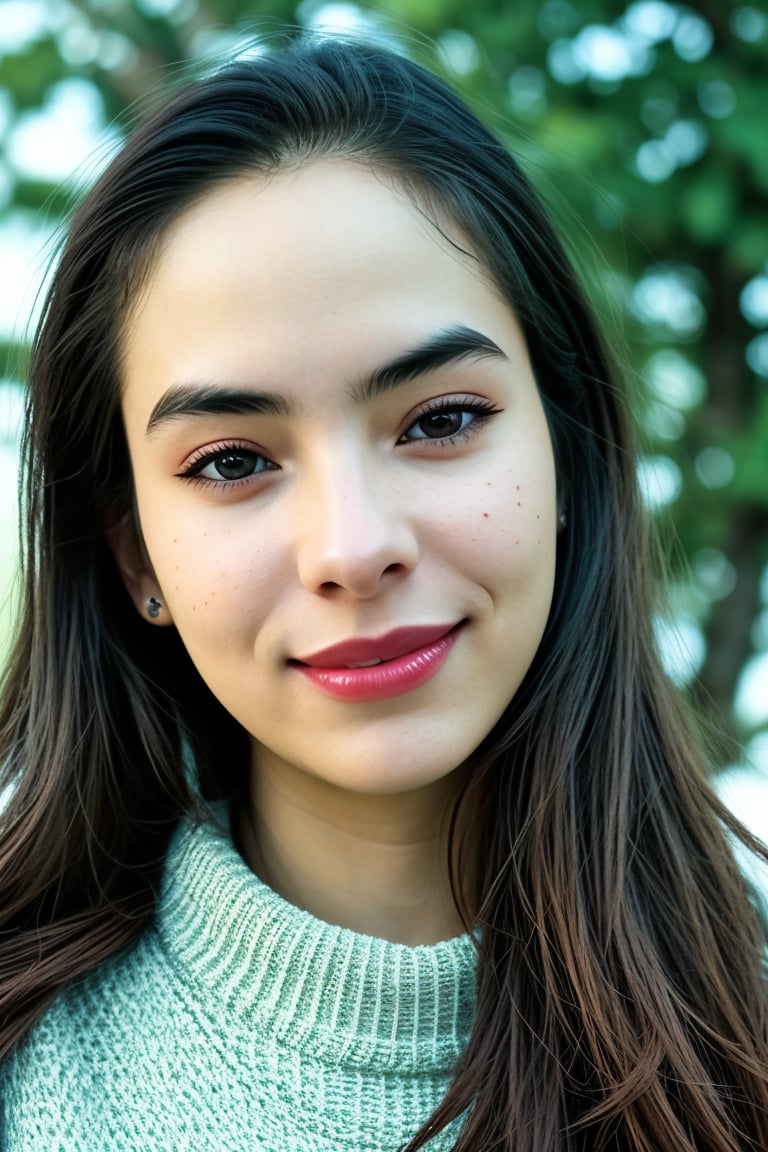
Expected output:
{"points": [[88, 1034]]}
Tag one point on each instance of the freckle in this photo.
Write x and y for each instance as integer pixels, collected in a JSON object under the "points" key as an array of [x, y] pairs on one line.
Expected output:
{"points": [[485, 515], [175, 540], [519, 504], [517, 486]]}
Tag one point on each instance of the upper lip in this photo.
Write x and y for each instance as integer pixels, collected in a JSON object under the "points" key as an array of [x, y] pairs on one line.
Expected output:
{"points": [[359, 650]]}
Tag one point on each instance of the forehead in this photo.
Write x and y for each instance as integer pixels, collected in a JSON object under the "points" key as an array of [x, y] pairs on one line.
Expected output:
{"points": [[330, 213], [325, 270]]}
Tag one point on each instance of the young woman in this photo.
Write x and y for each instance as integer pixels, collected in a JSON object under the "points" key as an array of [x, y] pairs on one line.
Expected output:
{"points": [[347, 806]]}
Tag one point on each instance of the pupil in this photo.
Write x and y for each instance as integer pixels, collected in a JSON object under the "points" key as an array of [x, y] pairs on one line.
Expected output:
{"points": [[441, 424], [233, 466]]}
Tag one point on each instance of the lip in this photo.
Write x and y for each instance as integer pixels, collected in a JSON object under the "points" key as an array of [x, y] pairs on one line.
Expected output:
{"points": [[409, 658], [360, 649]]}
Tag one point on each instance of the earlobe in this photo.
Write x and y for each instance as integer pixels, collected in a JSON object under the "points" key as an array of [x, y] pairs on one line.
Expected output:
{"points": [[130, 555]]}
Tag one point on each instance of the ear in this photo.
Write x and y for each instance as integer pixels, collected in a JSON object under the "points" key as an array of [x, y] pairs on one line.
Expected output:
{"points": [[130, 554]]}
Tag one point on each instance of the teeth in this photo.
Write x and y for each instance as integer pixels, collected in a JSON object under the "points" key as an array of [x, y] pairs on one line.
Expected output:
{"points": [[365, 664]]}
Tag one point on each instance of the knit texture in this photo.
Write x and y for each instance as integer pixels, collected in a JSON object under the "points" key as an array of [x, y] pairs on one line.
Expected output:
{"points": [[239, 1022]]}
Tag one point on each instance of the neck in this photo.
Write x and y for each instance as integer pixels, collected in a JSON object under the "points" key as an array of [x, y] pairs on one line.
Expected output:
{"points": [[375, 864]]}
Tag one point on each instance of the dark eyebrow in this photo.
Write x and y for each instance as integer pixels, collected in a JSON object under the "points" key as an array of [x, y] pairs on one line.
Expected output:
{"points": [[215, 400], [454, 343]]}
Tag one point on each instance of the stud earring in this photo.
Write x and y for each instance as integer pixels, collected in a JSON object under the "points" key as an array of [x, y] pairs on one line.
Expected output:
{"points": [[153, 607], [562, 520]]}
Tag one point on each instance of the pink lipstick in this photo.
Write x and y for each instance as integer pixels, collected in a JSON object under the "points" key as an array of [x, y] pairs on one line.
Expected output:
{"points": [[362, 670]]}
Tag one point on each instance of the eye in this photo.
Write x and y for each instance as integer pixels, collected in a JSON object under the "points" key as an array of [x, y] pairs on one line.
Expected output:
{"points": [[226, 464], [449, 420]]}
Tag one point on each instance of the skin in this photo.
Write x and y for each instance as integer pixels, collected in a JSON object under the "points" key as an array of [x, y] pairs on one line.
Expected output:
{"points": [[301, 285]]}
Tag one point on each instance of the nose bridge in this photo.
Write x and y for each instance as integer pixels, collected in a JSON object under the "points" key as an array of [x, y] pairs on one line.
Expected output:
{"points": [[353, 525]]}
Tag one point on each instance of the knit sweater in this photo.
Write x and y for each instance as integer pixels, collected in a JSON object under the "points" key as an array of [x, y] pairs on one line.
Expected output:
{"points": [[239, 1022]]}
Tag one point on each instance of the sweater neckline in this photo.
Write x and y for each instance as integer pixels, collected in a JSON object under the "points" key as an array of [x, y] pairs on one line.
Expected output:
{"points": [[347, 997]]}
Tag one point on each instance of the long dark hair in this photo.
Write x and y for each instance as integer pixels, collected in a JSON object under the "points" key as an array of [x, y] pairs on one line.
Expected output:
{"points": [[621, 993]]}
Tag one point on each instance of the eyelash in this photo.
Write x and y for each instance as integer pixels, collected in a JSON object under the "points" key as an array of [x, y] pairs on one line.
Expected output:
{"points": [[211, 453], [482, 411]]}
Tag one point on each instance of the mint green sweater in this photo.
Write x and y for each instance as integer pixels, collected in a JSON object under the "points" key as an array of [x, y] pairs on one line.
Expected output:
{"points": [[239, 1022]]}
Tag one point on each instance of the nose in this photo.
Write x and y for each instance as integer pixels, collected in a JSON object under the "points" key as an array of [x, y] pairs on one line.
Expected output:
{"points": [[354, 530]]}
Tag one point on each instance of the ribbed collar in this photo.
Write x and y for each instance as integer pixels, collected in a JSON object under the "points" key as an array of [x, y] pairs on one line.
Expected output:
{"points": [[340, 996]]}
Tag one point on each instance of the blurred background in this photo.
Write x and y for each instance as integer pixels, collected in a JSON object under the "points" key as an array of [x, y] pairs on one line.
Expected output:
{"points": [[642, 124]]}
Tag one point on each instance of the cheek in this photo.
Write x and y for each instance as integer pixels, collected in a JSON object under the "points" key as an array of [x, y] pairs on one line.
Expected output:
{"points": [[506, 526], [213, 582]]}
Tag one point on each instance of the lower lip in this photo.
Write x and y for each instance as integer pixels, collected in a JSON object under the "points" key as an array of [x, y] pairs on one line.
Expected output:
{"points": [[385, 680]]}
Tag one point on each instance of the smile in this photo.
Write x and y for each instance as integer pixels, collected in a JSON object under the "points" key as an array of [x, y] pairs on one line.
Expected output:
{"points": [[363, 670]]}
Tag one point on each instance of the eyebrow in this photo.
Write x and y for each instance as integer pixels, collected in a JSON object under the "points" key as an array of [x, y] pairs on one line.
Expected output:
{"points": [[446, 347]]}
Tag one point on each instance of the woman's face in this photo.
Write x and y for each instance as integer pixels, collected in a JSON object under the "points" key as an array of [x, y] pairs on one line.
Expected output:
{"points": [[337, 440]]}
